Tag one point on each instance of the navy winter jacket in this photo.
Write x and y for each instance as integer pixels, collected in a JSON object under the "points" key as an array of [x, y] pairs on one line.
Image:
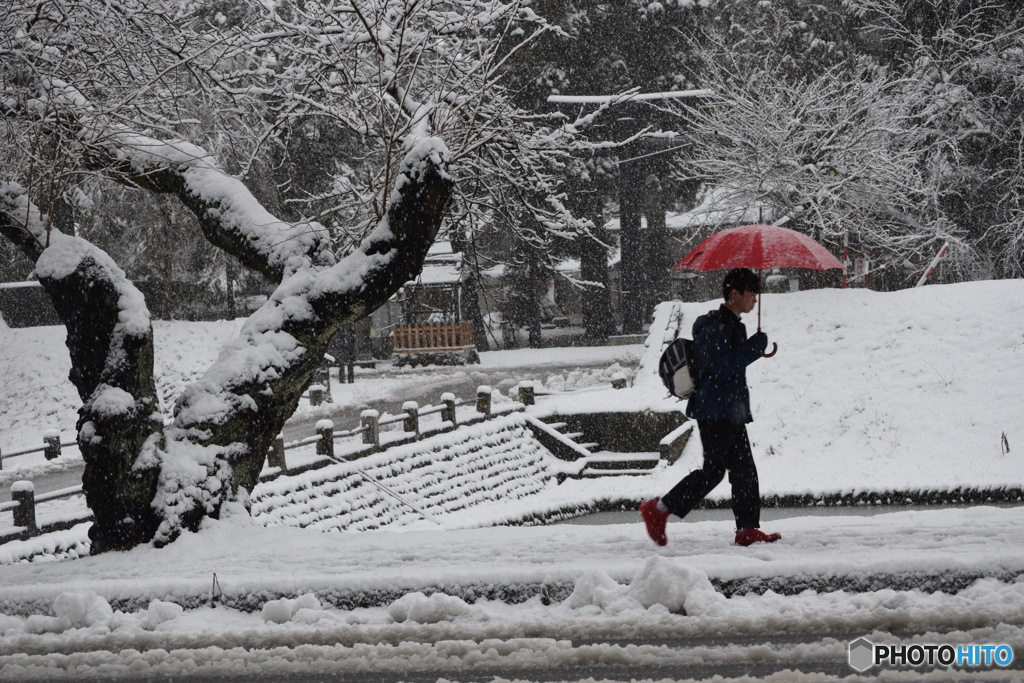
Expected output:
{"points": [[722, 353]]}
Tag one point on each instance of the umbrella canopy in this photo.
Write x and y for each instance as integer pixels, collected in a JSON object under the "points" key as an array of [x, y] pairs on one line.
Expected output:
{"points": [[759, 246]]}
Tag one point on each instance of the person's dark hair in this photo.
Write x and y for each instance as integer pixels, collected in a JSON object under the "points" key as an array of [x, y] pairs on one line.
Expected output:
{"points": [[742, 280]]}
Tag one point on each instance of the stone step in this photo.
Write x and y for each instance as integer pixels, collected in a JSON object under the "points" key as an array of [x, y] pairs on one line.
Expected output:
{"points": [[595, 473], [608, 460]]}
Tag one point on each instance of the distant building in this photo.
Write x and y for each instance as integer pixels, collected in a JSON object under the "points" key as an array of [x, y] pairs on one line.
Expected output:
{"points": [[436, 294]]}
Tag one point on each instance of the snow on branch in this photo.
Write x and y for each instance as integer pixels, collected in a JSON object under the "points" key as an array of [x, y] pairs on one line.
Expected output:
{"points": [[627, 97], [230, 216], [86, 285], [220, 431]]}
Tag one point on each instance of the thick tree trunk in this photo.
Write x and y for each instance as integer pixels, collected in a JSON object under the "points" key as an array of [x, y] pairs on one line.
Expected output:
{"points": [[470, 297], [147, 481], [656, 254], [110, 341], [258, 380], [633, 297], [119, 421], [596, 303]]}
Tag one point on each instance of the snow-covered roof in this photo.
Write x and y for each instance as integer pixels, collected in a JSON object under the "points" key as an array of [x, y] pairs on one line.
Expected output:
{"points": [[494, 272], [443, 252], [439, 274], [443, 266], [573, 265], [721, 207]]}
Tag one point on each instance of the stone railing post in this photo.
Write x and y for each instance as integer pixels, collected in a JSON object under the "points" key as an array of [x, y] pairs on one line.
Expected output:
{"points": [[527, 393], [322, 380], [325, 430], [412, 417], [277, 457], [483, 400], [316, 394], [51, 439], [24, 493], [370, 420], [448, 413], [618, 381]]}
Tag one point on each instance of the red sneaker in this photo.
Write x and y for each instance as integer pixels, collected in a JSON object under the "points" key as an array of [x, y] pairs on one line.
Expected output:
{"points": [[655, 521], [751, 535]]}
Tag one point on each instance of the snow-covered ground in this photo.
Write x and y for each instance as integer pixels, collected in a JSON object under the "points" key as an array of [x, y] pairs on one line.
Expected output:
{"points": [[869, 392]]}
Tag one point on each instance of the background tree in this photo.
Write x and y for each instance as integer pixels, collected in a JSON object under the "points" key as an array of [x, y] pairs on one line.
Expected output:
{"points": [[961, 63], [829, 155], [883, 133], [607, 49], [588, 198]]}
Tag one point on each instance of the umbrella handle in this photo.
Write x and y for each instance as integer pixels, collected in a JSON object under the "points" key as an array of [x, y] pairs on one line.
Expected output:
{"points": [[775, 349]]}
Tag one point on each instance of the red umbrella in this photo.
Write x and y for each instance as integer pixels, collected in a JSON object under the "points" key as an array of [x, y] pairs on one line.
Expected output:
{"points": [[759, 246]]}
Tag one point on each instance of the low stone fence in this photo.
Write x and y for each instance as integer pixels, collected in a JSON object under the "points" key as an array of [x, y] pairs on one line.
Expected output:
{"points": [[442, 474], [371, 439], [531, 452], [51, 448]]}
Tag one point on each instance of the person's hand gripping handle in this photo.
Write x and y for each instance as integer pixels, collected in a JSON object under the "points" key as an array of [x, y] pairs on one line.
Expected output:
{"points": [[762, 338]]}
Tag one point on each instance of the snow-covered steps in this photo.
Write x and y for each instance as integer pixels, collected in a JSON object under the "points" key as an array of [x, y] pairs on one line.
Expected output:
{"points": [[607, 463], [417, 483], [561, 444], [566, 438]]}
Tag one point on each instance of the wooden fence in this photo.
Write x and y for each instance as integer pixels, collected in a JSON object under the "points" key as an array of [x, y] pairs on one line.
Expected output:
{"points": [[433, 338]]}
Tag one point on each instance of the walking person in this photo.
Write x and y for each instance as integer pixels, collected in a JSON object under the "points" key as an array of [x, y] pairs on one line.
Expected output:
{"points": [[720, 404]]}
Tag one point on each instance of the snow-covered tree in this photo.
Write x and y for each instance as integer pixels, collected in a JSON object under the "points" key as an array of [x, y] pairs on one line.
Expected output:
{"points": [[899, 139], [831, 154], [961, 62], [510, 162], [612, 48], [125, 90]]}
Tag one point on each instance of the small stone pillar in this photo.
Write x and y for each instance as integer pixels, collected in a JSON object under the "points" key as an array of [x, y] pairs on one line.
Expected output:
{"points": [[527, 393], [448, 413], [51, 439], [370, 420], [316, 394], [325, 430], [412, 417], [483, 400], [322, 377], [277, 457], [618, 381], [24, 493]]}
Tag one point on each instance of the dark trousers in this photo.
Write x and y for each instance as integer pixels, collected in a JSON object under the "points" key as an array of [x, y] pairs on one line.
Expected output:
{"points": [[726, 449]]}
